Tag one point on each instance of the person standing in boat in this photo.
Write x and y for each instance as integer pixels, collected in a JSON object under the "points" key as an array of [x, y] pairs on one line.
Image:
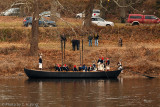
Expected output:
{"points": [[107, 64], [40, 61], [101, 64], [120, 65]]}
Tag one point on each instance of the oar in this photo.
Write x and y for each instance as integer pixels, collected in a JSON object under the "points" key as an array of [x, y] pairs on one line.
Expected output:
{"points": [[143, 74]]}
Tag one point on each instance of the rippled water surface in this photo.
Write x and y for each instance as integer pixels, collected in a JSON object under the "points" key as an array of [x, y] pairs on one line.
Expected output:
{"points": [[138, 92]]}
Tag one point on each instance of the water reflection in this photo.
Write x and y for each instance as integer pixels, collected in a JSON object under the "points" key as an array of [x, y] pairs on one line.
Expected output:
{"points": [[81, 92]]}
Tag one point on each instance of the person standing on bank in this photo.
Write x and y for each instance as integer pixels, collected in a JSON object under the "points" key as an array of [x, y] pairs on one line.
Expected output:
{"points": [[120, 42], [90, 40], [96, 36], [40, 61]]}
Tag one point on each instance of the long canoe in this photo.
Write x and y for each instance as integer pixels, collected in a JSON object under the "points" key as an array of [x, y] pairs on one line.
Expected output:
{"points": [[70, 74]]}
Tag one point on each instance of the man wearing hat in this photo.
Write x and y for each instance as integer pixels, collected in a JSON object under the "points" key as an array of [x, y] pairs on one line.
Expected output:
{"points": [[107, 64]]}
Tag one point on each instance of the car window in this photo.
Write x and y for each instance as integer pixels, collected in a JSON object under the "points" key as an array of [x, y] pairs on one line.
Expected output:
{"points": [[135, 17], [94, 19], [96, 11], [148, 17], [153, 17], [100, 19], [16, 10], [9, 10]]}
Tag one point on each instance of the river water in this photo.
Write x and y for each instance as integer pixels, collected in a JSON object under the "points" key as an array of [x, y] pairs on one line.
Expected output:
{"points": [[122, 92]]}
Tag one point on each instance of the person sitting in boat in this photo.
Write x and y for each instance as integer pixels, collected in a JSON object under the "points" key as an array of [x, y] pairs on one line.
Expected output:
{"points": [[58, 67], [84, 67], [107, 64], [94, 67], [40, 62], [90, 68], [75, 68], [80, 68], [65, 67]]}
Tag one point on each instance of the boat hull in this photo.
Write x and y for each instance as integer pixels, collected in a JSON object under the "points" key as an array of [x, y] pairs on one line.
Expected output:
{"points": [[48, 74]]}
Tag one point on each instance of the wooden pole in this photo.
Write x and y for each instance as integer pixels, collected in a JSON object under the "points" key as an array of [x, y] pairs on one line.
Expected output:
{"points": [[62, 51], [80, 55], [82, 52]]}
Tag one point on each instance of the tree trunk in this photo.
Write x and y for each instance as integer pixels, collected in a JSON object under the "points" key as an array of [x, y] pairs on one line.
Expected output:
{"points": [[123, 11], [88, 13], [35, 29], [54, 10], [103, 11], [22, 14]]}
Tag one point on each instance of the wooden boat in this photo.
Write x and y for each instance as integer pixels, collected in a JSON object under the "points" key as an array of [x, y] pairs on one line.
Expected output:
{"points": [[70, 74]]}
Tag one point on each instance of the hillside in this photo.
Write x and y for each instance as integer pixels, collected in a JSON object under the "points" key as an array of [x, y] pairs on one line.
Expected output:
{"points": [[140, 51]]}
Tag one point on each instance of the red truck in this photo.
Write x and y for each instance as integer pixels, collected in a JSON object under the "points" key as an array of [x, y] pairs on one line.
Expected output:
{"points": [[137, 19]]}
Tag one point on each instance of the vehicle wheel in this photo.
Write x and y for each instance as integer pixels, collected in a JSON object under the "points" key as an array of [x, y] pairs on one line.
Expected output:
{"points": [[50, 26], [108, 25], [78, 17], [29, 25], [134, 24]]}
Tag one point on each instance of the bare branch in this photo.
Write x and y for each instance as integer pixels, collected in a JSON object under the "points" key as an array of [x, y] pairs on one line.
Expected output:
{"points": [[102, 6], [128, 5]]}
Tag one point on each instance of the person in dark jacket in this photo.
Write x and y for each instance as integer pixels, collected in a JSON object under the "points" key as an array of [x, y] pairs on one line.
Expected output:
{"points": [[90, 40], [84, 67], [107, 61], [107, 64], [65, 67], [120, 42], [94, 66], [75, 68], [90, 68], [75, 43], [96, 36], [102, 60], [80, 68]]}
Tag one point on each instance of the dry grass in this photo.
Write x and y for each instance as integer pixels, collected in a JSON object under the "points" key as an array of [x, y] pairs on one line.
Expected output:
{"points": [[139, 58]]}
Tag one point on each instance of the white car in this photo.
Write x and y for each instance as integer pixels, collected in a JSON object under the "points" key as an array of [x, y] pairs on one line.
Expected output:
{"points": [[95, 13], [11, 12], [101, 22], [48, 14]]}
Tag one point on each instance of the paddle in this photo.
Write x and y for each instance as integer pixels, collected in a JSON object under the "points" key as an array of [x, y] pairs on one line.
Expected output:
{"points": [[142, 74]]}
